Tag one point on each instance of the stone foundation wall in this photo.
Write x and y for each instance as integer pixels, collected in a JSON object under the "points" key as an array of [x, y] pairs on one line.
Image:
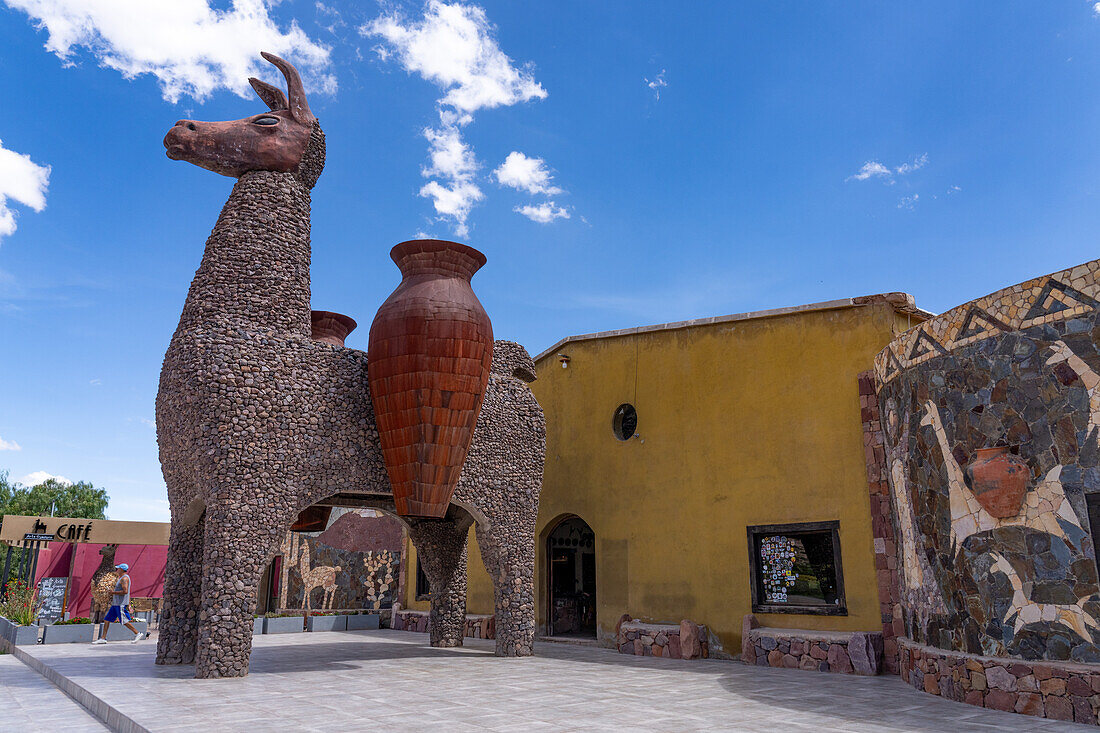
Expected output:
{"points": [[1062, 691], [822, 651], [687, 640], [477, 626]]}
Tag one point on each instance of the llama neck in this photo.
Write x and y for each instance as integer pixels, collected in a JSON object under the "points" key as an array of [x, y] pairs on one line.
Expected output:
{"points": [[954, 473], [254, 275]]}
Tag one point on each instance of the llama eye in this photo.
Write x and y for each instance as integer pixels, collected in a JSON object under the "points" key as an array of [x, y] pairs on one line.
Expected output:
{"points": [[267, 121]]}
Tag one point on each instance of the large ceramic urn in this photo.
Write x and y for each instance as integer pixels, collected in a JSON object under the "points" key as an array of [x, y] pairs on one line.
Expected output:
{"points": [[999, 479], [330, 328], [428, 360]]}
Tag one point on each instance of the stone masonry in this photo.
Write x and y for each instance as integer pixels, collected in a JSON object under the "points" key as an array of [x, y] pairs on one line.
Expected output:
{"points": [[822, 651], [257, 422]]}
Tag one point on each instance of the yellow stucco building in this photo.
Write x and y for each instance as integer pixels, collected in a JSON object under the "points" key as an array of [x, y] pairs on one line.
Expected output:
{"points": [[670, 442]]}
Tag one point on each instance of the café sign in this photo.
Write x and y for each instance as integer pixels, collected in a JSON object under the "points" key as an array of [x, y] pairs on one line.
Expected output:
{"points": [[17, 529]]}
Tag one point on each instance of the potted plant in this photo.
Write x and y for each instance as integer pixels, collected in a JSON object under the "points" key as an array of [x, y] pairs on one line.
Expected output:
{"points": [[75, 630], [284, 623], [363, 621], [326, 621], [20, 610]]}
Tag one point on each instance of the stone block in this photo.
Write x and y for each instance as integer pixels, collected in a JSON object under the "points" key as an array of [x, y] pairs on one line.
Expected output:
{"points": [[974, 697], [807, 662], [817, 652], [1052, 686], [1082, 710], [790, 662], [674, 647], [1078, 686], [1000, 678], [690, 647], [977, 681], [767, 642], [775, 658], [838, 659], [1030, 703], [1027, 683], [1000, 700], [865, 653], [1059, 708]]}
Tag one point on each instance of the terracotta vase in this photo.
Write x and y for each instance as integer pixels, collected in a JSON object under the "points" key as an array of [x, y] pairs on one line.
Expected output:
{"points": [[428, 360], [1000, 481], [331, 328]]}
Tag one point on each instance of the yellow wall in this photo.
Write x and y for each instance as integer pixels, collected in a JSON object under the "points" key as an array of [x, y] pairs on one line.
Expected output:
{"points": [[741, 423], [479, 588]]}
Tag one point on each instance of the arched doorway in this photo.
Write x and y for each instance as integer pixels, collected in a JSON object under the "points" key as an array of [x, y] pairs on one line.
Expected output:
{"points": [[571, 573]]}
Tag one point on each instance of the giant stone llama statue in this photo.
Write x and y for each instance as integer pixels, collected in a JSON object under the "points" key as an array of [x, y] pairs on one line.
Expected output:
{"points": [[256, 421]]}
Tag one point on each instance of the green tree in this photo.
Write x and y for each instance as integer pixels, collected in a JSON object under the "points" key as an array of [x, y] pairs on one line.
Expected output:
{"points": [[52, 497], [81, 500]]}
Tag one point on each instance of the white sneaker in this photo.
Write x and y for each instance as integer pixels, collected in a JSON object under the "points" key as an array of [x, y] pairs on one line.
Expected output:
{"points": [[139, 636], [100, 641]]}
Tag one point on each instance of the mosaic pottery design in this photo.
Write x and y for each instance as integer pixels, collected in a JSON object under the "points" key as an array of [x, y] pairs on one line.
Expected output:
{"points": [[1002, 567], [431, 345], [999, 480]]}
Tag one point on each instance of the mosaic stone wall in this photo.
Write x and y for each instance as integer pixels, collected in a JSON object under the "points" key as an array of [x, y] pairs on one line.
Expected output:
{"points": [[477, 626], [1018, 368], [686, 640], [353, 564]]}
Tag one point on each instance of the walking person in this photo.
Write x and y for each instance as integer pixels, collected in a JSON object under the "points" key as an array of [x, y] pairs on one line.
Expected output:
{"points": [[120, 606]]}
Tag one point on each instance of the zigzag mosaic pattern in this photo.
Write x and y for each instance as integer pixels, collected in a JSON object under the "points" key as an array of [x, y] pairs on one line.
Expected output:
{"points": [[1061, 296]]}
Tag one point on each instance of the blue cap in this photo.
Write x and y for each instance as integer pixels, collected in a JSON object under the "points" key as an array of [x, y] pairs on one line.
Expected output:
{"points": [[122, 566]]}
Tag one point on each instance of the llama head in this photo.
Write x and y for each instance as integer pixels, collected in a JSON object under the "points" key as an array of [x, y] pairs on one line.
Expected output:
{"points": [[288, 139], [1061, 352], [108, 551]]}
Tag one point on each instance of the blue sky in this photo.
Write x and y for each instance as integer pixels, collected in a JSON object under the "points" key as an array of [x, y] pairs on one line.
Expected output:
{"points": [[686, 160]]}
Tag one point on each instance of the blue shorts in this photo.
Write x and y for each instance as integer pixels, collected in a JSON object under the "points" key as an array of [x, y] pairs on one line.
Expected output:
{"points": [[118, 613]]}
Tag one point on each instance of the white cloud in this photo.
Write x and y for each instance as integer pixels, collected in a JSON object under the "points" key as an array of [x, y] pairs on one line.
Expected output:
{"points": [[22, 180], [908, 202], [870, 169], [875, 169], [33, 479], [656, 83], [9, 445], [917, 164], [453, 46], [453, 161], [191, 47], [543, 213], [526, 174], [1096, 8]]}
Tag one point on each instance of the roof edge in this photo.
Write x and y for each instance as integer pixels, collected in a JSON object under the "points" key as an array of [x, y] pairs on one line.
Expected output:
{"points": [[901, 302]]}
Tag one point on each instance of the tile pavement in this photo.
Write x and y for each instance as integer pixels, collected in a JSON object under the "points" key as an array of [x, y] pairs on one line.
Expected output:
{"points": [[29, 702], [365, 680]]}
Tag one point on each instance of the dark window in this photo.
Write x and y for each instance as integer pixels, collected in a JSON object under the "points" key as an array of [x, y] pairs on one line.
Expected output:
{"points": [[795, 568], [423, 591], [625, 422]]}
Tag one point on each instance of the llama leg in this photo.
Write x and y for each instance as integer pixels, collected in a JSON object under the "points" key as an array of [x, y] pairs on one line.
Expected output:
{"points": [[182, 593], [441, 546], [510, 559], [235, 553]]}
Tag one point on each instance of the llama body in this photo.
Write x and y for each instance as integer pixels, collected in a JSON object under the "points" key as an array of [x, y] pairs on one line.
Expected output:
{"points": [[322, 576], [256, 421], [103, 582]]}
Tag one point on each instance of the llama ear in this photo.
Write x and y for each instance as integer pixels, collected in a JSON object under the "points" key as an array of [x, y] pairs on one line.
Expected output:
{"points": [[273, 96], [296, 93]]}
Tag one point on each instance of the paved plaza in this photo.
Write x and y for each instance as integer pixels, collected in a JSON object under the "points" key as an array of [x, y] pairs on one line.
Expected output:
{"points": [[394, 680]]}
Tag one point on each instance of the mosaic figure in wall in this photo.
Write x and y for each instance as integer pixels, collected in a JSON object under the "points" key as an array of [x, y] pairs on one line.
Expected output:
{"points": [[1024, 610], [381, 568], [257, 422], [1042, 509], [320, 576], [1016, 369]]}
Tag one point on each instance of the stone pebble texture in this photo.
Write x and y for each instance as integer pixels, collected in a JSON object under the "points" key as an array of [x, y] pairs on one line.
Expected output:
{"points": [[1016, 368], [256, 422]]}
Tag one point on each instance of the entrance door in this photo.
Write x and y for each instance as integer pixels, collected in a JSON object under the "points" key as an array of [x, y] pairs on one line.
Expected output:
{"points": [[571, 552]]}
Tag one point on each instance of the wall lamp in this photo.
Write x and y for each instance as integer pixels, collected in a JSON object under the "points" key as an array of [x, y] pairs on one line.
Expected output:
{"points": [[564, 359]]}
